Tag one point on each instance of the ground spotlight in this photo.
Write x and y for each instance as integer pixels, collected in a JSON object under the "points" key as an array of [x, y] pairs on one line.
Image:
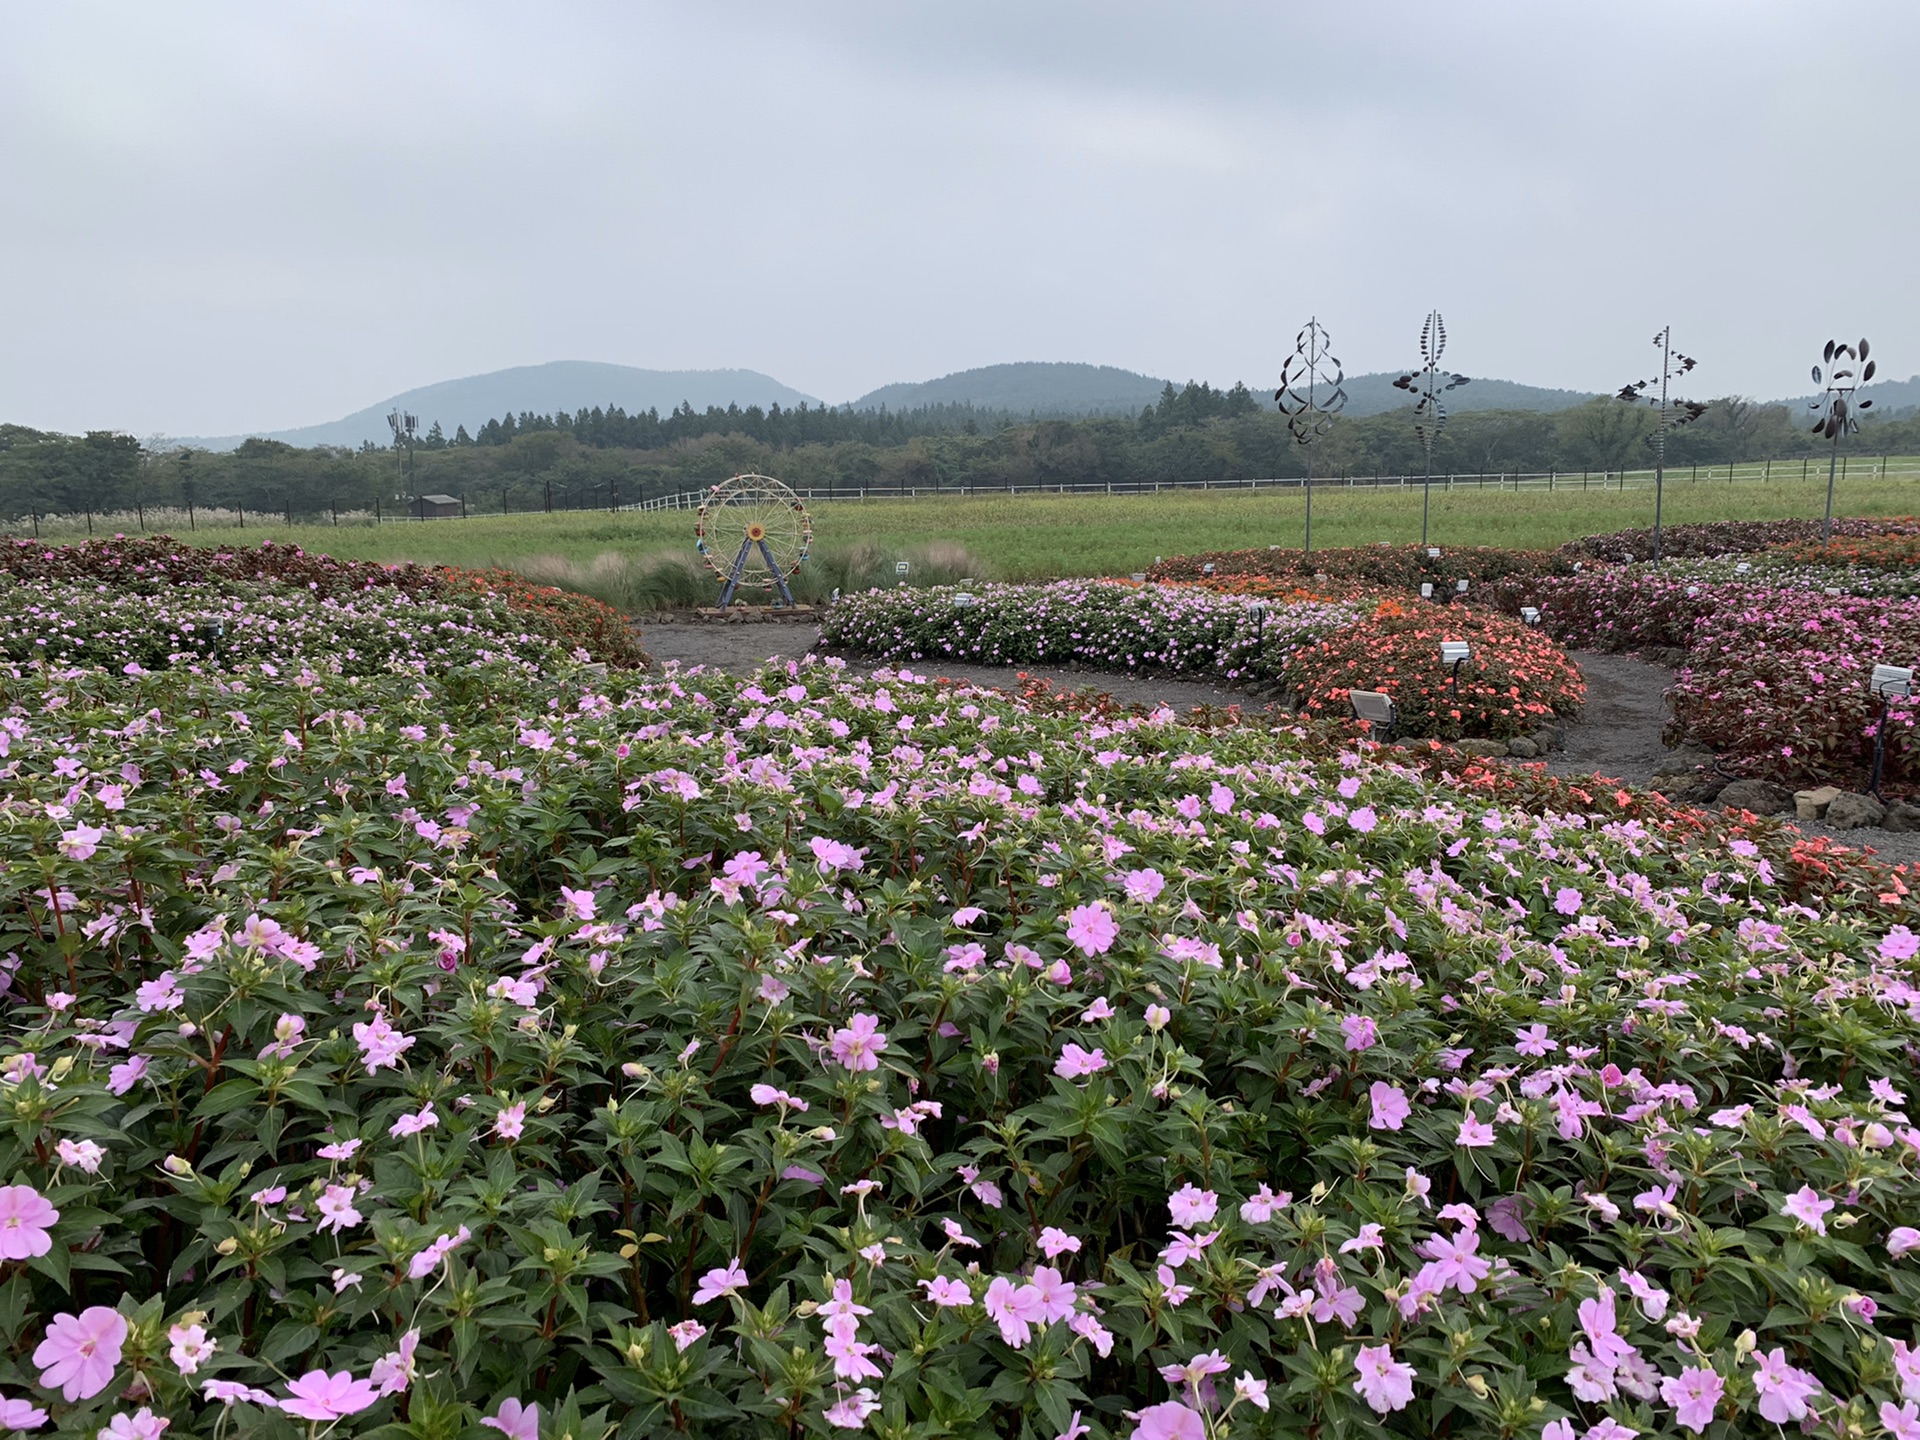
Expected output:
{"points": [[1376, 707]]}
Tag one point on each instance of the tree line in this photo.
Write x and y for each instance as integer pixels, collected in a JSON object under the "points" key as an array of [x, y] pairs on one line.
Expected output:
{"points": [[596, 458]]}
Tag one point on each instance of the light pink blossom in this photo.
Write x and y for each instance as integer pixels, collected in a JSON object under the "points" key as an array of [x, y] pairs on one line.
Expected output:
{"points": [[25, 1215], [317, 1395], [515, 1420], [80, 1352]]}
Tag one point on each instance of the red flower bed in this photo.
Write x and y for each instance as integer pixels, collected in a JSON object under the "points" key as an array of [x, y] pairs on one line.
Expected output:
{"points": [[1609, 608], [1723, 537], [1517, 679], [1897, 551], [149, 562], [1398, 567]]}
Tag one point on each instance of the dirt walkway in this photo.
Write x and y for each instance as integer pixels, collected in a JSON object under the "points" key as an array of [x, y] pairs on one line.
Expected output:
{"points": [[1619, 735]]}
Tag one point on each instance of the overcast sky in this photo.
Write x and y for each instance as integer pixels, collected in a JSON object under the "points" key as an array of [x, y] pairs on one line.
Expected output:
{"points": [[222, 217]]}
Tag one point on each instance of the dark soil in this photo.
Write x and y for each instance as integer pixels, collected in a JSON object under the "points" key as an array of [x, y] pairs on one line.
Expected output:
{"points": [[1618, 737]]}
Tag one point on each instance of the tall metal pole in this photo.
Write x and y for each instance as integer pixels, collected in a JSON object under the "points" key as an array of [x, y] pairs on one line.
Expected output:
{"points": [[1691, 410], [1833, 462], [1660, 437], [1313, 356]]}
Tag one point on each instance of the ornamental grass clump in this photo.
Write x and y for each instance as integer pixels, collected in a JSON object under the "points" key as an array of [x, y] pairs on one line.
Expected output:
{"points": [[1516, 681], [581, 1054]]}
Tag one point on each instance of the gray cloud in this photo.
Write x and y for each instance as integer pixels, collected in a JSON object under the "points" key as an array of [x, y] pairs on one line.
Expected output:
{"points": [[215, 217]]}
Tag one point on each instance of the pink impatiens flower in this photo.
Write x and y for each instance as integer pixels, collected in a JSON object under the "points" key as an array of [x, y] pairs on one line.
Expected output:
{"points": [[1075, 1062], [716, 1284], [20, 1415], [317, 1395], [1055, 1242], [80, 1352], [1192, 1207], [143, 1424], [25, 1215], [1091, 929], [1902, 1421], [515, 1421], [1014, 1308], [1169, 1421], [1694, 1394], [1784, 1390], [1808, 1206], [1385, 1384], [422, 1120], [858, 1046], [946, 1292], [380, 1045], [1390, 1106], [1900, 943], [851, 1412], [336, 1208], [1474, 1132]]}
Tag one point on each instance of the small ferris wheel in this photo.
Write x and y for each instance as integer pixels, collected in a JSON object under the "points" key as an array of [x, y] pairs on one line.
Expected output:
{"points": [[753, 530]]}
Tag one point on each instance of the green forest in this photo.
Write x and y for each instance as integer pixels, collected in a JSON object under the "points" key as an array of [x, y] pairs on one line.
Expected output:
{"points": [[598, 458]]}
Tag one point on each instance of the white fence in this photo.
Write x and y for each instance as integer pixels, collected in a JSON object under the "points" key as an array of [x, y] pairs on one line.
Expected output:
{"points": [[1553, 481], [1859, 467]]}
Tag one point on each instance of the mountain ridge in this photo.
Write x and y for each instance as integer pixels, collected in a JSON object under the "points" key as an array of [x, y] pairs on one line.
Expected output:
{"points": [[1040, 388], [569, 385]]}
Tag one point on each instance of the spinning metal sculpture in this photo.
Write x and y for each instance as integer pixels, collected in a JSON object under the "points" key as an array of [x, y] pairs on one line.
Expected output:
{"points": [[1672, 413], [1838, 414], [1430, 413], [1312, 391], [753, 518]]}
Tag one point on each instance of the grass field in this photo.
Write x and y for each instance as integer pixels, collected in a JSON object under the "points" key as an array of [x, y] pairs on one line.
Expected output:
{"points": [[1039, 536]]}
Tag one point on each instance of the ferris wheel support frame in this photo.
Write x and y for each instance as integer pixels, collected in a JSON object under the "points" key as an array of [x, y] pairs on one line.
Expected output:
{"points": [[739, 568]]}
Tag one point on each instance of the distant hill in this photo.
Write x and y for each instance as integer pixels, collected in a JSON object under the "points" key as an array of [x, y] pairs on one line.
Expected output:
{"points": [[560, 385], [1375, 394], [1066, 389], [1890, 398], [1028, 387]]}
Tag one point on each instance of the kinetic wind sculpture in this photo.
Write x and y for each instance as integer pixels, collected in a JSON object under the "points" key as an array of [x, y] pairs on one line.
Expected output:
{"points": [[404, 427], [1311, 393], [753, 518], [1430, 382], [1673, 413], [1839, 415]]}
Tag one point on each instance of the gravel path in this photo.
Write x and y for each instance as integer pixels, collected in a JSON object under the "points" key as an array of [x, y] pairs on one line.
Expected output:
{"points": [[1619, 737]]}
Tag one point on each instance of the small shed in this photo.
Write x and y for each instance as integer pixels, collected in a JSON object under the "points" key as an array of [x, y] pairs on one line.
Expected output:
{"points": [[437, 507]]}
